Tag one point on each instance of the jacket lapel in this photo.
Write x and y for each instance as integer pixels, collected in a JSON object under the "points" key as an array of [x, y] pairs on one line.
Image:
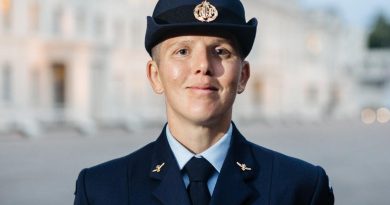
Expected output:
{"points": [[233, 185], [170, 189]]}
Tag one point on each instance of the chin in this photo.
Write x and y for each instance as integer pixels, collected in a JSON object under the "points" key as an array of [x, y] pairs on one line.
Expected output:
{"points": [[208, 118]]}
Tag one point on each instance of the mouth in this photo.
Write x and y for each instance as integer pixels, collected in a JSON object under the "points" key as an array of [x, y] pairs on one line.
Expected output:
{"points": [[203, 88]]}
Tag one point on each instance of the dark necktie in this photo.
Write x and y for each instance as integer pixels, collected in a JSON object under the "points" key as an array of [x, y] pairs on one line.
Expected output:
{"points": [[199, 170]]}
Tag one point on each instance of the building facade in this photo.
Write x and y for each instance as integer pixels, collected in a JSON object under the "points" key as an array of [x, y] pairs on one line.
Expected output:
{"points": [[373, 80], [82, 64], [299, 63]]}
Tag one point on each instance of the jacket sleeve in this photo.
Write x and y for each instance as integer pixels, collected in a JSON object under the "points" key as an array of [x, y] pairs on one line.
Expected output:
{"points": [[323, 193], [80, 193]]}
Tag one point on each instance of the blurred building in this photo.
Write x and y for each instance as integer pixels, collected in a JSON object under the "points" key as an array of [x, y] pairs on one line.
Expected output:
{"points": [[82, 64], [373, 80], [300, 63], [77, 63]]}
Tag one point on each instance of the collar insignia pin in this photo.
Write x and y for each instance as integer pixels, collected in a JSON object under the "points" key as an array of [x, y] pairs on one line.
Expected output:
{"points": [[244, 167], [158, 167], [205, 12]]}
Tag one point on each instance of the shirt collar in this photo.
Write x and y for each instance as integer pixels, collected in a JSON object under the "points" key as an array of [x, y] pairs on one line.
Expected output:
{"points": [[215, 154]]}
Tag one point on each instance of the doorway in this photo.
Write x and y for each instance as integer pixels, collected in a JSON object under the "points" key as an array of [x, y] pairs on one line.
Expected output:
{"points": [[59, 85]]}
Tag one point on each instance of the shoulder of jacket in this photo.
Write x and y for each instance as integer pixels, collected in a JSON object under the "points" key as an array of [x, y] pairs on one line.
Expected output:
{"points": [[283, 161], [122, 163]]}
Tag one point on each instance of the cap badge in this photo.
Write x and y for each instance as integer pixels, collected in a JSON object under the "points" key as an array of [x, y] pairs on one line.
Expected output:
{"points": [[205, 12]]}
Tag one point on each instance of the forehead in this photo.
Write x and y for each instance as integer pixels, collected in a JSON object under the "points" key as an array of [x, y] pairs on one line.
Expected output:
{"points": [[190, 39], [213, 38]]}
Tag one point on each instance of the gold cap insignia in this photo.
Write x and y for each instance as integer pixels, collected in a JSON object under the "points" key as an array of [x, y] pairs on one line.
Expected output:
{"points": [[158, 168], [244, 167], [205, 12]]}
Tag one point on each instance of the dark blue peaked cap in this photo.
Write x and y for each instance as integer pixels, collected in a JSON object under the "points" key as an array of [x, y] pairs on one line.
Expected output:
{"points": [[176, 17]]}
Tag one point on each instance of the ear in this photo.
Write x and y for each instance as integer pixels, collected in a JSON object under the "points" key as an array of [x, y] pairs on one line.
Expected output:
{"points": [[244, 77], [154, 77]]}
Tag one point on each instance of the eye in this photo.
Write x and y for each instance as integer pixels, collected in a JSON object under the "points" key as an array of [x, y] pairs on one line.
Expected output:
{"points": [[222, 52], [182, 52]]}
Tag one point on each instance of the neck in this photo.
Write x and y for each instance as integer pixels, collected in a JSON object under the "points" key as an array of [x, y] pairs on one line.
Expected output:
{"points": [[198, 138]]}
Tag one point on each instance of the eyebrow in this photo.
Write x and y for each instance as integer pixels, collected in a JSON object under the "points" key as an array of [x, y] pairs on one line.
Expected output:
{"points": [[223, 40], [179, 42], [215, 41]]}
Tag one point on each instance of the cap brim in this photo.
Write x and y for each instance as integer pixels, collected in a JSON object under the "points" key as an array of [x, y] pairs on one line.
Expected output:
{"points": [[245, 34]]}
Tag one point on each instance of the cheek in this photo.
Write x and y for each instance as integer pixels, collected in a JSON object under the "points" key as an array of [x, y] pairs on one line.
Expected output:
{"points": [[232, 75], [173, 73]]}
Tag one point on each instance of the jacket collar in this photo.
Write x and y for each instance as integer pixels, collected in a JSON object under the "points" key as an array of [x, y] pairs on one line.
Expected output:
{"points": [[233, 182], [238, 170], [171, 189]]}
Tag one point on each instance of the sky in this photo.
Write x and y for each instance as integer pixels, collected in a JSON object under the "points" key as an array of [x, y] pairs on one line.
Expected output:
{"points": [[355, 12]]}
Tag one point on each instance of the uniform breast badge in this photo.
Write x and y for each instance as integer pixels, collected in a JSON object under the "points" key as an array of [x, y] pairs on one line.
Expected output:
{"points": [[158, 168], [205, 12], [244, 167]]}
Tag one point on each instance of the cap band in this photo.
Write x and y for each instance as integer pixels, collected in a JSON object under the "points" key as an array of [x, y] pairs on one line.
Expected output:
{"points": [[185, 14]]}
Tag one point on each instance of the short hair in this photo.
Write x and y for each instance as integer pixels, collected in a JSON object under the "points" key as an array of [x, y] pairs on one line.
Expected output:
{"points": [[156, 52]]}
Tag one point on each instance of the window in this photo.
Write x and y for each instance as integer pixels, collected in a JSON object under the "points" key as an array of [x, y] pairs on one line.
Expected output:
{"points": [[59, 80], [135, 34], [98, 26], [34, 16], [312, 93], [6, 84], [314, 43], [118, 31], [6, 8], [258, 91], [81, 20], [57, 21], [35, 87]]}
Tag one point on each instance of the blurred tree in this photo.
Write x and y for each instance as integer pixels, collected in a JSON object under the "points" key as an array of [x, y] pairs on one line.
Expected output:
{"points": [[380, 34]]}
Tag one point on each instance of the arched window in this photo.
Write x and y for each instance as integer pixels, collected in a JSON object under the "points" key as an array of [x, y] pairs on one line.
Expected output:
{"points": [[6, 13], [6, 79]]}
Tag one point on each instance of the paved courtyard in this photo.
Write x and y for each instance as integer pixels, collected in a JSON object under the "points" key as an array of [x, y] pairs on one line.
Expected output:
{"points": [[43, 171]]}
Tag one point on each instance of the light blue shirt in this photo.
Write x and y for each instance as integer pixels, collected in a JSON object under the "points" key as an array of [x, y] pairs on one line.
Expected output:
{"points": [[215, 154]]}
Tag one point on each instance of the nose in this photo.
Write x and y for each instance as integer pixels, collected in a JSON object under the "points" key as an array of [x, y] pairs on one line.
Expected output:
{"points": [[202, 62]]}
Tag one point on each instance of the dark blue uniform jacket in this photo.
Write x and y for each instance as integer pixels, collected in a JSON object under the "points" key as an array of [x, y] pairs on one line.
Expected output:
{"points": [[274, 179]]}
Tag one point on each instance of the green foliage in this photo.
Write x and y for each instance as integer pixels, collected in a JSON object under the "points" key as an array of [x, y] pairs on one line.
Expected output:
{"points": [[380, 34]]}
